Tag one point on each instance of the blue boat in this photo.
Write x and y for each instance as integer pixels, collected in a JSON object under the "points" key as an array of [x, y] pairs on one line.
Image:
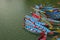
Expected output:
{"points": [[39, 25], [54, 14]]}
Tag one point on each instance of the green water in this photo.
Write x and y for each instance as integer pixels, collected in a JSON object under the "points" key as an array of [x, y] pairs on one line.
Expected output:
{"points": [[11, 19]]}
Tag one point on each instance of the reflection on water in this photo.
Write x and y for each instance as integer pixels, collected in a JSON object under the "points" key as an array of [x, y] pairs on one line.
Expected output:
{"points": [[11, 17]]}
